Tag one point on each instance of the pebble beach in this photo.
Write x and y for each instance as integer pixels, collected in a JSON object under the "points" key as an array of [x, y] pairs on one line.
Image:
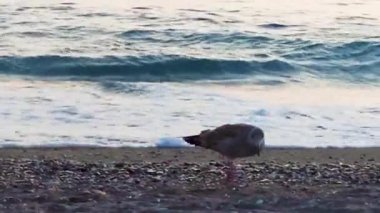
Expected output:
{"points": [[85, 179], [98, 99]]}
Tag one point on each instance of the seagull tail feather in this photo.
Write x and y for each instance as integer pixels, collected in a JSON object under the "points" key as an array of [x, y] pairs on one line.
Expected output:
{"points": [[193, 139]]}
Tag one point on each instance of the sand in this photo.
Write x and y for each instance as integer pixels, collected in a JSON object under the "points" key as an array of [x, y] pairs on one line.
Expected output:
{"points": [[84, 179], [195, 155]]}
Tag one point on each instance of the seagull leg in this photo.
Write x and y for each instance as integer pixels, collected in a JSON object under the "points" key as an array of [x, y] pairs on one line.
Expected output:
{"points": [[231, 171]]}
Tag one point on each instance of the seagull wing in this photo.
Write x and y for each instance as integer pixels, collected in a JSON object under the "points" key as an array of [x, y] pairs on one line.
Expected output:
{"points": [[212, 138]]}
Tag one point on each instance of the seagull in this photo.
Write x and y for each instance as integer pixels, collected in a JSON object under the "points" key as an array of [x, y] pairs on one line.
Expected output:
{"points": [[232, 141]]}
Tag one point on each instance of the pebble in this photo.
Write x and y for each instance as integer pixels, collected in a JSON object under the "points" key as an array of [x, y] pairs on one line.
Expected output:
{"points": [[99, 193], [79, 198], [75, 183], [56, 207], [250, 203]]}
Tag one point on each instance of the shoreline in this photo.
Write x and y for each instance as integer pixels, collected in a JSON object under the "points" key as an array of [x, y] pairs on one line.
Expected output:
{"points": [[193, 154]]}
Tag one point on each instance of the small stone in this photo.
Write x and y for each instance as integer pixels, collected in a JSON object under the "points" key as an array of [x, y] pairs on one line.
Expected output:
{"points": [[216, 171], [83, 169], [41, 198], [156, 178], [138, 181], [56, 207], [264, 181], [194, 169], [29, 190], [119, 165], [131, 170], [217, 164], [259, 202], [249, 203], [11, 200], [151, 171], [79, 199], [99, 193]]}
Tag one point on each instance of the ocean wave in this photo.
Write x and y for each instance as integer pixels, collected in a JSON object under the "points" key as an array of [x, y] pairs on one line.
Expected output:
{"points": [[361, 65], [124, 87], [346, 56], [143, 68], [174, 36]]}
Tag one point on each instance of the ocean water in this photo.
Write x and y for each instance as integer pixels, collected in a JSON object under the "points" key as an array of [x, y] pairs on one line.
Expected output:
{"points": [[143, 73]]}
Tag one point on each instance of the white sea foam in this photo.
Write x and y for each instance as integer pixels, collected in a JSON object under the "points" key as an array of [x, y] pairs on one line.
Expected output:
{"points": [[36, 113]]}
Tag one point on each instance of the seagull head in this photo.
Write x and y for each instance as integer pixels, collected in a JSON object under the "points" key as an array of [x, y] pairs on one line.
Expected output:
{"points": [[257, 140]]}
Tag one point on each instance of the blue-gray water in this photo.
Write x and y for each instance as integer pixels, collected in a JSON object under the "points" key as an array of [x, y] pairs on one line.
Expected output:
{"points": [[117, 73]]}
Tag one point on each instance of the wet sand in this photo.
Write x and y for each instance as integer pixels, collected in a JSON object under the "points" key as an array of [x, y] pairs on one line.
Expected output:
{"points": [[80, 179]]}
